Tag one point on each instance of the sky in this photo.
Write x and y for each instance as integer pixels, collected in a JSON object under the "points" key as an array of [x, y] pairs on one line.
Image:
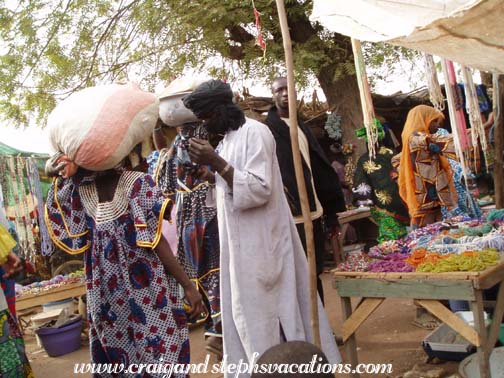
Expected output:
{"points": [[31, 139]]}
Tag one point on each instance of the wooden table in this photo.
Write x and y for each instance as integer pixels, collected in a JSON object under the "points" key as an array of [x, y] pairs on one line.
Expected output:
{"points": [[45, 296], [345, 218], [427, 289]]}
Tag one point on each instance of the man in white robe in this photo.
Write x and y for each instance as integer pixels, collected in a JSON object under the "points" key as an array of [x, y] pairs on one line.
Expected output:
{"points": [[264, 273]]}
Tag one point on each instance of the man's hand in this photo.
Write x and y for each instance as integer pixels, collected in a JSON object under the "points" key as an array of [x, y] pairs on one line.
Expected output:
{"points": [[201, 152]]}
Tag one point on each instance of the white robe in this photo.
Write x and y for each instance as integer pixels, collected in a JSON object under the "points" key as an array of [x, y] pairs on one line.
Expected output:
{"points": [[264, 271]]}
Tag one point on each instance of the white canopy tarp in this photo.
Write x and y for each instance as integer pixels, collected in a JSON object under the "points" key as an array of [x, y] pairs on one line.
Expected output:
{"points": [[470, 32]]}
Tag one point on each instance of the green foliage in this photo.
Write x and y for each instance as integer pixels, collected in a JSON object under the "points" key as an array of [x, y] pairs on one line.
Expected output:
{"points": [[52, 48], [382, 60]]}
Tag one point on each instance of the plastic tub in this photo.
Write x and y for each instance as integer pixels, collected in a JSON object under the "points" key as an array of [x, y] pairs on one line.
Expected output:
{"points": [[501, 334], [469, 368], [63, 340], [468, 317], [41, 318], [65, 303], [445, 344]]}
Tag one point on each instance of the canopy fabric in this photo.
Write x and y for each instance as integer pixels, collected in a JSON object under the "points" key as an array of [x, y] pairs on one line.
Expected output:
{"points": [[468, 32]]}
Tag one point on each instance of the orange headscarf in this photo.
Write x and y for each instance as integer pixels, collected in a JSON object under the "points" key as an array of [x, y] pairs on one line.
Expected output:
{"points": [[418, 120]]}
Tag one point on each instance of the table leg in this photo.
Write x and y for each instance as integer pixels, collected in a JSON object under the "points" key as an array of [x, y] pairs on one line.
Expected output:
{"points": [[498, 312], [336, 249], [341, 240], [479, 322], [351, 344]]}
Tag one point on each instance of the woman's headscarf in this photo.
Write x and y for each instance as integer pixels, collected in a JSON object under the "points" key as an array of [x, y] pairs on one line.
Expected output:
{"points": [[418, 120]]}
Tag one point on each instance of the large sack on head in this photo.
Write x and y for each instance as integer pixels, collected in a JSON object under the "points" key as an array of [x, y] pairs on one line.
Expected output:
{"points": [[98, 127]]}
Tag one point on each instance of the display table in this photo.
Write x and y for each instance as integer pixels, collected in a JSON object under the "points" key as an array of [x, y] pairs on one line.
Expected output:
{"points": [[344, 219], [427, 289], [45, 296]]}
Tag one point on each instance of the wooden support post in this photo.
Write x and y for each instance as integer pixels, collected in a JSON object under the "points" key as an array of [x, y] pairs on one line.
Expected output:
{"points": [[479, 323], [351, 344], [457, 324], [498, 312], [298, 168], [361, 313]]}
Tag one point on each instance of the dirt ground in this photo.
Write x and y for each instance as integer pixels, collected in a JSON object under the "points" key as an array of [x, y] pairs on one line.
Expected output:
{"points": [[386, 337]]}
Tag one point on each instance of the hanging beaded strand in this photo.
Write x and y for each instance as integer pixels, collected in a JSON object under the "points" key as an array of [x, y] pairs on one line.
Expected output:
{"points": [[435, 94], [370, 123]]}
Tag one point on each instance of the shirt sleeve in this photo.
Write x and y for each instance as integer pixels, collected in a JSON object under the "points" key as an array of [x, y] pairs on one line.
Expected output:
{"points": [[148, 207], [252, 184], [65, 217]]}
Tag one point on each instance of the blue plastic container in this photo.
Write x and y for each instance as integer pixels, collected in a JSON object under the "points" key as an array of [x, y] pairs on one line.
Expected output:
{"points": [[63, 340]]}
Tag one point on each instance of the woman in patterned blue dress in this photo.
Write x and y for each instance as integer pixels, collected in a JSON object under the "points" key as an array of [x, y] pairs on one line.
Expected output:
{"points": [[197, 232], [135, 312]]}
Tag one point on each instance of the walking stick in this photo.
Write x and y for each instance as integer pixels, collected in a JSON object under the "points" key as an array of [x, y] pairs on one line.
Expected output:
{"points": [[303, 196]]}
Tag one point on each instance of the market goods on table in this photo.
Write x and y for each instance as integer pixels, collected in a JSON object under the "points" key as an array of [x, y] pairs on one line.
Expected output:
{"points": [[458, 245]]}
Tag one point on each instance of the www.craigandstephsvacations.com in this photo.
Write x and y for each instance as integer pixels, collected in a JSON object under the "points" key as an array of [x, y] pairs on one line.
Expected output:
{"points": [[234, 370]]}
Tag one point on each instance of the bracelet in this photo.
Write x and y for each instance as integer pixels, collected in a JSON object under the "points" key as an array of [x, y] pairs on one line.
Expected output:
{"points": [[224, 170], [157, 128]]}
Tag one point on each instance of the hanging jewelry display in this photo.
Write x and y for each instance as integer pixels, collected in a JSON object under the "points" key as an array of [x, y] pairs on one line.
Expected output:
{"points": [[25, 211], [15, 201], [36, 190]]}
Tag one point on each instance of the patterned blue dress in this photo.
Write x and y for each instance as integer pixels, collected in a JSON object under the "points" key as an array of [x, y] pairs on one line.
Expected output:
{"points": [[198, 248], [135, 312]]}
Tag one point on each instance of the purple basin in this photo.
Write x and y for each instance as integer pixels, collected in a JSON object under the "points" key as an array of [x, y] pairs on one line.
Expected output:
{"points": [[60, 341]]}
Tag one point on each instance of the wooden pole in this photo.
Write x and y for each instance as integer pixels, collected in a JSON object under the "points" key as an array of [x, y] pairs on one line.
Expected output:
{"points": [[298, 168], [498, 173]]}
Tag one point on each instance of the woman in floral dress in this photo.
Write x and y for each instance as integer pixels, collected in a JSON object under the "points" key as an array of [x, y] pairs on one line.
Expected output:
{"points": [[135, 311]]}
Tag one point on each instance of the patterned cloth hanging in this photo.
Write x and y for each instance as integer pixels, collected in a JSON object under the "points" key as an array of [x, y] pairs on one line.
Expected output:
{"points": [[473, 109], [457, 120], [260, 40], [370, 122], [435, 94]]}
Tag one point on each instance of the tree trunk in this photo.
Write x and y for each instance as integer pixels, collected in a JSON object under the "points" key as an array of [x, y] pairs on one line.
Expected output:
{"points": [[343, 97], [486, 79], [498, 149]]}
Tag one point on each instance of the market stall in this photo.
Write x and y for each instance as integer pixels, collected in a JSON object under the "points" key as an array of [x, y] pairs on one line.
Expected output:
{"points": [[56, 289], [455, 260]]}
